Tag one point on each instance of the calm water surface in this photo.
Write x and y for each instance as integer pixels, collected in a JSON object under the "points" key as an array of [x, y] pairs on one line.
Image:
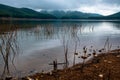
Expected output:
{"points": [[41, 42]]}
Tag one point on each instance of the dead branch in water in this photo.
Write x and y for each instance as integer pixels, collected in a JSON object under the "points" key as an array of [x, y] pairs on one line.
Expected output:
{"points": [[8, 50]]}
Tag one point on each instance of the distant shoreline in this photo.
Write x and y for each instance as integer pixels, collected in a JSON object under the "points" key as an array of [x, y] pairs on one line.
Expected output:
{"points": [[35, 19]]}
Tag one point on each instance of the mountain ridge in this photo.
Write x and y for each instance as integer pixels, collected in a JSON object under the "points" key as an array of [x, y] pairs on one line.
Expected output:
{"points": [[71, 14], [8, 11]]}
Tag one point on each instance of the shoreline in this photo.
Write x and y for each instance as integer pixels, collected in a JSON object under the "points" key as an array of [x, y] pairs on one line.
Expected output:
{"points": [[104, 66], [107, 66], [35, 19]]}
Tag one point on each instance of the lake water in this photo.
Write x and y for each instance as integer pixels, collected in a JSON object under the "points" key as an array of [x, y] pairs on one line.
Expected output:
{"points": [[41, 42]]}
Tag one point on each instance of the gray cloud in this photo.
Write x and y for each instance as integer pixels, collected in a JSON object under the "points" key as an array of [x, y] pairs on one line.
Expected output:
{"points": [[112, 2]]}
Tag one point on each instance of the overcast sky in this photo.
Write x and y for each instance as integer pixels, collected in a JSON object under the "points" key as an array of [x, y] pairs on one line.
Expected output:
{"points": [[104, 7]]}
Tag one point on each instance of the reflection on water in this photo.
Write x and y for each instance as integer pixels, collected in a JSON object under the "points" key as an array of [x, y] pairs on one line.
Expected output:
{"points": [[41, 42]]}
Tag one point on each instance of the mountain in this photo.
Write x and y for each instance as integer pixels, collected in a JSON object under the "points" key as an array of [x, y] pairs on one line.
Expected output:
{"points": [[114, 16], [57, 13], [71, 14], [79, 15], [7, 11]]}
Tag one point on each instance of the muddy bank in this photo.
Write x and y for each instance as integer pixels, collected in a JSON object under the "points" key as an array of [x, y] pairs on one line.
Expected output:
{"points": [[107, 67]]}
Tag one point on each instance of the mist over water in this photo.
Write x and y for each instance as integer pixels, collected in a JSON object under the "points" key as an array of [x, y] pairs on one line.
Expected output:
{"points": [[41, 42]]}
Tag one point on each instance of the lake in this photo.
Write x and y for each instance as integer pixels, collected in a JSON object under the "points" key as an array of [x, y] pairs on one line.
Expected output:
{"points": [[41, 42]]}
